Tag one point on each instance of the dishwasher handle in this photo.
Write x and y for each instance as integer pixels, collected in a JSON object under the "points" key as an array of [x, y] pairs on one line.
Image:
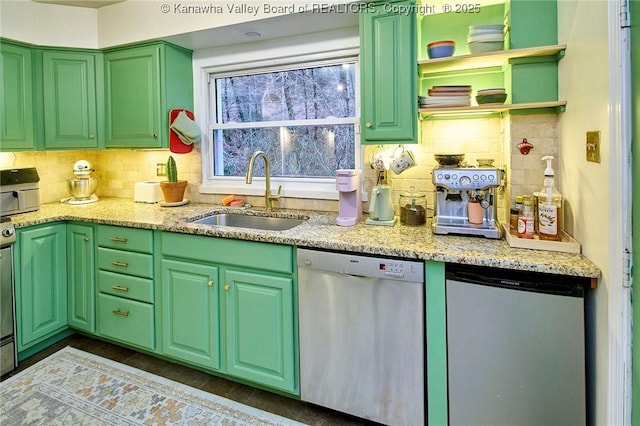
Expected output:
{"points": [[532, 282]]}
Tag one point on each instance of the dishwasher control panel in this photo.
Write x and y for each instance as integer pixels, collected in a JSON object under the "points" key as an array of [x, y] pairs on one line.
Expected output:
{"points": [[363, 266]]}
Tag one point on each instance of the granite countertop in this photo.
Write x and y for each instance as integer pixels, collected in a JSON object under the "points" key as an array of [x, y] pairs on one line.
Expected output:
{"points": [[320, 231]]}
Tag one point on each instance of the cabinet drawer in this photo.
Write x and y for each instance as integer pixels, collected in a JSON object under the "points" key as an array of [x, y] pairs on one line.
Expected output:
{"points": [[121, 238], [126, 320], [125, 262], [126, 286]]}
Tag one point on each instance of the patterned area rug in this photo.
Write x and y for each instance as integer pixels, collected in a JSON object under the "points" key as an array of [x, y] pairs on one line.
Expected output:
{"points": [[72, 387]]}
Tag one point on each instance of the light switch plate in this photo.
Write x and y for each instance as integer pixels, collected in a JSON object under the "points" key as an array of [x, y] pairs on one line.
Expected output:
{"points": [[161, 169], [593, 146]]}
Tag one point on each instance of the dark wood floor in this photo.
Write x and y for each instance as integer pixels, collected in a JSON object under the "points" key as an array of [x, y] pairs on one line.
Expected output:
{"points": [[277, 404]]}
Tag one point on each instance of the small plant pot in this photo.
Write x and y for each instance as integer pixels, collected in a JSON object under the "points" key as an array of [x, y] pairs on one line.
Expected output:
{"points": [[173, 192]]}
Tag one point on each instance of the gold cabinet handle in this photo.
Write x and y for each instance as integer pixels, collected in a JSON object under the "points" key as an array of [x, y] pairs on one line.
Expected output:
{"points": [[227, 287], [155, 136], [121, 264], [87, 239], [120, 288], [210, 283], [121, 313], [92, 136], [118, 240], [368, 125]]}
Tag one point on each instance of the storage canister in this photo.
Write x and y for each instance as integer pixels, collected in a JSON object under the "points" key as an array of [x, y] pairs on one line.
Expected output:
{"points": [[413, 208]]}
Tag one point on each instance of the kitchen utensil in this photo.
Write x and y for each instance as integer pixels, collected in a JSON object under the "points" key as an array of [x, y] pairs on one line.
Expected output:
{"points": [[348, 183], [485, 162], [441, 49], [466, 201], [402, 160], [413, 208], [380, 206], [147, 192], [449, 159], [82, 188]]}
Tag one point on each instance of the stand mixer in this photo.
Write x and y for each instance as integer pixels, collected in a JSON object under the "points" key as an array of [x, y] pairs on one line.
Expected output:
{"points": [[466, 201], [82, 188]]}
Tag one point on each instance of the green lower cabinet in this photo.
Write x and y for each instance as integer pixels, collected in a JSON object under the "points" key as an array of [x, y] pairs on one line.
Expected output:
{"points": [[191, 313], [41, 283], [81, 277], [260, 339]]}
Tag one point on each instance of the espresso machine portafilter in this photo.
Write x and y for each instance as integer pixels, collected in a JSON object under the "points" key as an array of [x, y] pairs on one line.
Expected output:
{"points": [[466, 201]]}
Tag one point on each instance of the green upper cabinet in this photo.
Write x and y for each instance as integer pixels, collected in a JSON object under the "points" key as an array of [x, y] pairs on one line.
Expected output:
{"points": [[142, 84], [72, 92], [261, 342], [81, 281], [17, 125], [41, 283], [388, 72]]}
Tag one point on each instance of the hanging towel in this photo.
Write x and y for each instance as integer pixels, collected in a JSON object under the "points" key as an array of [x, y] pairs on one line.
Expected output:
{"points": [[186, 129]]}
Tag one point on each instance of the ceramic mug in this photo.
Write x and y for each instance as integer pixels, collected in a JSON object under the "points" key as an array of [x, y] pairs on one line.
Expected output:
{"points": [[402, 160]]}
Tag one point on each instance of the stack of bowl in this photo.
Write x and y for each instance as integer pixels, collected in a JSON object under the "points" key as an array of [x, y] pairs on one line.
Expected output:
{"points": [[485, 38], [491, 96], [441, 49]]}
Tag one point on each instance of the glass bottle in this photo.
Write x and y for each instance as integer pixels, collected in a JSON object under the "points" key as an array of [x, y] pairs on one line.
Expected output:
{"points": [[526, 219]]}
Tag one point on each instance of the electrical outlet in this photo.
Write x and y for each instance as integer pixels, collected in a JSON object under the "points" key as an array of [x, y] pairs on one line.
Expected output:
{"points": [[593, 146], [161, 169]]}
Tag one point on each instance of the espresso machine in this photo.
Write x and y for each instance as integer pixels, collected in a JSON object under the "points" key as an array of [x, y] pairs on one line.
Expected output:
{"points": [[466, 201]]}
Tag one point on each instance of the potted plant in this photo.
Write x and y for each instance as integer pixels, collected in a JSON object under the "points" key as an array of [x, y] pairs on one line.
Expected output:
{"points": [[173, 189]]}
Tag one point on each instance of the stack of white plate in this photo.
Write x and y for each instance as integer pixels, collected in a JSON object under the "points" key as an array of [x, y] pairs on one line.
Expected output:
{"points": [[485, 38], [446, 96]]}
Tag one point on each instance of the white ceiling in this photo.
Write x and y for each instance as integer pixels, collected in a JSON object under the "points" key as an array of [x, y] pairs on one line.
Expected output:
{"points": [[94, 4], [271, 28]]}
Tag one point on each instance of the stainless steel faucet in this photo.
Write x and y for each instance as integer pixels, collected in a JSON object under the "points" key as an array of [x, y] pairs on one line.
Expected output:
{"points": [[269, 198]]}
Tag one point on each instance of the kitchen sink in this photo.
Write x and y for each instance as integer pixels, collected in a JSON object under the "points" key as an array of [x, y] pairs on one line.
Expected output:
{"points": [[268, 223]]}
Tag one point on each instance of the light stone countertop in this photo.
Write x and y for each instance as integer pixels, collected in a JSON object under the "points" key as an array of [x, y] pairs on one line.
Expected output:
{"points": [[320, 231]]}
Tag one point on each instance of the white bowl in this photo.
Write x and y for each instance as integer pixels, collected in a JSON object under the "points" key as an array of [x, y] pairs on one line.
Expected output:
{"points": [[487, 27], [485, 46], [484, 38]]}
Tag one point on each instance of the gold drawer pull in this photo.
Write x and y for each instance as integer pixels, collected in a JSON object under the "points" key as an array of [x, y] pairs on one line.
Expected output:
{"points": [[120, 288], [210, 283], [121, 313], [118, 239], [227, 287], [121, 264]]}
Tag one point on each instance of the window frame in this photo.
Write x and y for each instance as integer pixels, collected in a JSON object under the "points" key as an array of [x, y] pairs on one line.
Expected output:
{"points": [[292, 187]]}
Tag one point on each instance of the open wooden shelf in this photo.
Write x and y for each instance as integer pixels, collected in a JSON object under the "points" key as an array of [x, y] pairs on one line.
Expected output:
{"points": [[558, 106], [487, 59]]}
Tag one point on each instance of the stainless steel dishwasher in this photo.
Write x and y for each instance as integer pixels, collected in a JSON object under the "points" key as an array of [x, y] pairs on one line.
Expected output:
{"points": [[515, 348], [362, 338]]}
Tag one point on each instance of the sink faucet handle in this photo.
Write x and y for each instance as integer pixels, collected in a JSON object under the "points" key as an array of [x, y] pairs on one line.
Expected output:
{"points": [[277, 195]]}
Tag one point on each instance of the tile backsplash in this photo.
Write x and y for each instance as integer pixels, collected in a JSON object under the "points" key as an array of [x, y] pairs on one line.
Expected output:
{"points": [[478, 138]]}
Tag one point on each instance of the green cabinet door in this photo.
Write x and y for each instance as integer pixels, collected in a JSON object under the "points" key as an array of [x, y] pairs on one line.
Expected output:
{"points": [[41, 283], [81, 277], [17, 125], [191, 313], [260, 329], [132, 83], [70, 93], [388, 73], [142, 84]]}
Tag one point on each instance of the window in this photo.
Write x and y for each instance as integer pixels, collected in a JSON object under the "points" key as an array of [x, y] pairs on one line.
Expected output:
{"points": [[302, 116]]}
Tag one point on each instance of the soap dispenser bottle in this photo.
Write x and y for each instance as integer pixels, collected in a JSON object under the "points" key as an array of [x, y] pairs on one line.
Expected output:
{"points": [[549, 214]]}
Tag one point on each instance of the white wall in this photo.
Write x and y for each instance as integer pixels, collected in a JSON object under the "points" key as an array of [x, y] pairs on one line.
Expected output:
{"points": [[48, 25], [584, 82]]}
